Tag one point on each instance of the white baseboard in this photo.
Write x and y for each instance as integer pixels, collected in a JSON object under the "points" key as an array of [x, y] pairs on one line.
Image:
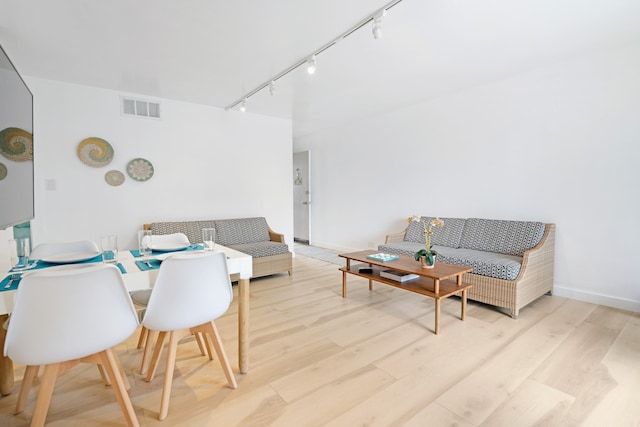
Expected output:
{"points": [[609, 301]]}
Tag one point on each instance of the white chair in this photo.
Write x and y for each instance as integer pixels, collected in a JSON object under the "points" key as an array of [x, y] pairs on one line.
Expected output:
{"points": [[44, 250], [191, 290], [141, 299], [62, 317]]}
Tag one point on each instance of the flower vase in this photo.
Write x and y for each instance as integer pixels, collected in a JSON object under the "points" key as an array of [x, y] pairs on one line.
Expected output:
{"points": [[424, 264]]}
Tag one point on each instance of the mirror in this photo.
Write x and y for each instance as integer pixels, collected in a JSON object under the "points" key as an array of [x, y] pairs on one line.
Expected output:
{"points": [[16, 146]]}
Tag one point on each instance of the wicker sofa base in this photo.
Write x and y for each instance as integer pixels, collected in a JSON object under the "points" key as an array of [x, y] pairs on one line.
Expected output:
{"points": [[509, 294], [273, 264]]}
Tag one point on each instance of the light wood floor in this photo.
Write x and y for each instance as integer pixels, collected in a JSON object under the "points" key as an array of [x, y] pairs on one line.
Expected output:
{"points": [[372, 360]]}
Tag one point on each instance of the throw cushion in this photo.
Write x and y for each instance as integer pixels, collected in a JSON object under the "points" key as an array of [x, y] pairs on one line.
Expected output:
{"points": [[190, 228], [449, 235], [241, 230], [502, 237]]}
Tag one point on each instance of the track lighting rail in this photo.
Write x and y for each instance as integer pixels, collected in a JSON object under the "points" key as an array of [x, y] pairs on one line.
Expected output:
{"points": [[370, 18]]}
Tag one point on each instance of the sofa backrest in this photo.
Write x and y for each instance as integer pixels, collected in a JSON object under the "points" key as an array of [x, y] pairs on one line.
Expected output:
{"points": [[192, 229], [449, 235], [241, 230], [500, 236]]}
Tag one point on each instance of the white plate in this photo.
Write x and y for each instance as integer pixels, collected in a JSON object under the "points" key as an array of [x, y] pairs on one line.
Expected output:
{"points": [[165, 256], [167, 247], [70, 257]]}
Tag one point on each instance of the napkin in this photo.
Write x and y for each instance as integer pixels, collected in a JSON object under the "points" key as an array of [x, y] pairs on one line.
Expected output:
{"points": [[155, 264], [5, 282]]}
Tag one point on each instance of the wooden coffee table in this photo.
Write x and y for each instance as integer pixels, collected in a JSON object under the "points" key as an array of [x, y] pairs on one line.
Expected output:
{"points": [[439, 282]]}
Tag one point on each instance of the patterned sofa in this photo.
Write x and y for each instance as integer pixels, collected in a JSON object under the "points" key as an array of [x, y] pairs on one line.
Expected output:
{"points": [[252, 236], [512, 260]]}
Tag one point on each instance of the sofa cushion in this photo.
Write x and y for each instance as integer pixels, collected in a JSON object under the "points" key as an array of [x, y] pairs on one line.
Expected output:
{"points": [[189, 228], [262, 249], [489, 264], [240, 231], [449, 235], [502, 237]]}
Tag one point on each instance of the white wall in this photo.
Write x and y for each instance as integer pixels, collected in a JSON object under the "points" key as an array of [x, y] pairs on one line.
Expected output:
{"points": [[209, 164], [558, 144]]}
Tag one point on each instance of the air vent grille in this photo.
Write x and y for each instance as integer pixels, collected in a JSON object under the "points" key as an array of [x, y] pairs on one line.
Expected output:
{"points": [[140, 108]]}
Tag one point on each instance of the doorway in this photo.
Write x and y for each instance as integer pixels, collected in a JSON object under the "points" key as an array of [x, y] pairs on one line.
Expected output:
{"points": [[301, 197]]}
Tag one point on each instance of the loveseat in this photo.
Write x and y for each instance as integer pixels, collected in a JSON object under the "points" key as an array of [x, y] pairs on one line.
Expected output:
{"points": [[512, 261], [251, 236]]}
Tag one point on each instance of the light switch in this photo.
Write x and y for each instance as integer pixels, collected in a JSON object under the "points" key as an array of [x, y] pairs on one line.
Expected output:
{"points": [[50, 184]]}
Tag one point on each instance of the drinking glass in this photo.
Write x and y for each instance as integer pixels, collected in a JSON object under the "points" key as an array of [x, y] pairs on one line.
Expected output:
{"points": [[144, 244], [209, 238], [109, 245], [20, 250]]}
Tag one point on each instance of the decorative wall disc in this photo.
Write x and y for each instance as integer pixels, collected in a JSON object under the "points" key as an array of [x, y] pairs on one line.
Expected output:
{"points": [[95, 152], [16, 144], [140, 169], [3, 171], [114, 178]]}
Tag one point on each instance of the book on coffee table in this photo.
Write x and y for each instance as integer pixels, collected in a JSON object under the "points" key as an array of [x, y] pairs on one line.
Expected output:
{"points": [[398, 276], [383, 257]]}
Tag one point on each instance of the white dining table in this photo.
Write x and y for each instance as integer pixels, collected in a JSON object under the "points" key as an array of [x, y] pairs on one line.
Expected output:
{"points": [[238, 263]]}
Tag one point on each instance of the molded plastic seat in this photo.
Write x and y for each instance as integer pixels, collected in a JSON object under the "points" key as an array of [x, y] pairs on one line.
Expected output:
{"points": [[191, 290], [45, 250], [141, 297], [64, 316]]}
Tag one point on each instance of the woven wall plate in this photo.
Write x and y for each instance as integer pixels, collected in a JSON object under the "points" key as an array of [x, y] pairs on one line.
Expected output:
{"points": [[140, 169], [3, 171], [16, 144], [95, 152], [114, 178]]}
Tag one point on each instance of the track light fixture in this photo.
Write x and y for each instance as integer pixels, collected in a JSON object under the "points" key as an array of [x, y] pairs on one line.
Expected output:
{"points": [[377, 24], [311, 64], [310, 60]]}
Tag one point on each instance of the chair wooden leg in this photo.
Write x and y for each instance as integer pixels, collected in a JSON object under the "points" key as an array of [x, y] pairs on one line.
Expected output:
{"points": [[103, 375], [156, 356], [44, 395], [30, 374], [174, 337], [207, 342], [205, 350], [148, 350], [222, 356], [143, 337], [112, 367]]}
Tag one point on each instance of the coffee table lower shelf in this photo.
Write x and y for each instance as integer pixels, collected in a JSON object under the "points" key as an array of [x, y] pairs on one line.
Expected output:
{"points": [[420, 285]]}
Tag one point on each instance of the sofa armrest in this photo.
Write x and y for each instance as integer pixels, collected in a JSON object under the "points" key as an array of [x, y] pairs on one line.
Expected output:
{"points": [[275, 237], [395, 238], [539, 260]]}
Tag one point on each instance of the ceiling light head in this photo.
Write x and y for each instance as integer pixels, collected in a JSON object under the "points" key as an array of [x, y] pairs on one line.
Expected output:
{"points": [[243, 105], [377, 24], [311, 64], [272, 88]]}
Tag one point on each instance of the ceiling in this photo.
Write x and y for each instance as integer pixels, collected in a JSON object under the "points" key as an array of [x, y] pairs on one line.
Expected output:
{"points": [[212, 52]]}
